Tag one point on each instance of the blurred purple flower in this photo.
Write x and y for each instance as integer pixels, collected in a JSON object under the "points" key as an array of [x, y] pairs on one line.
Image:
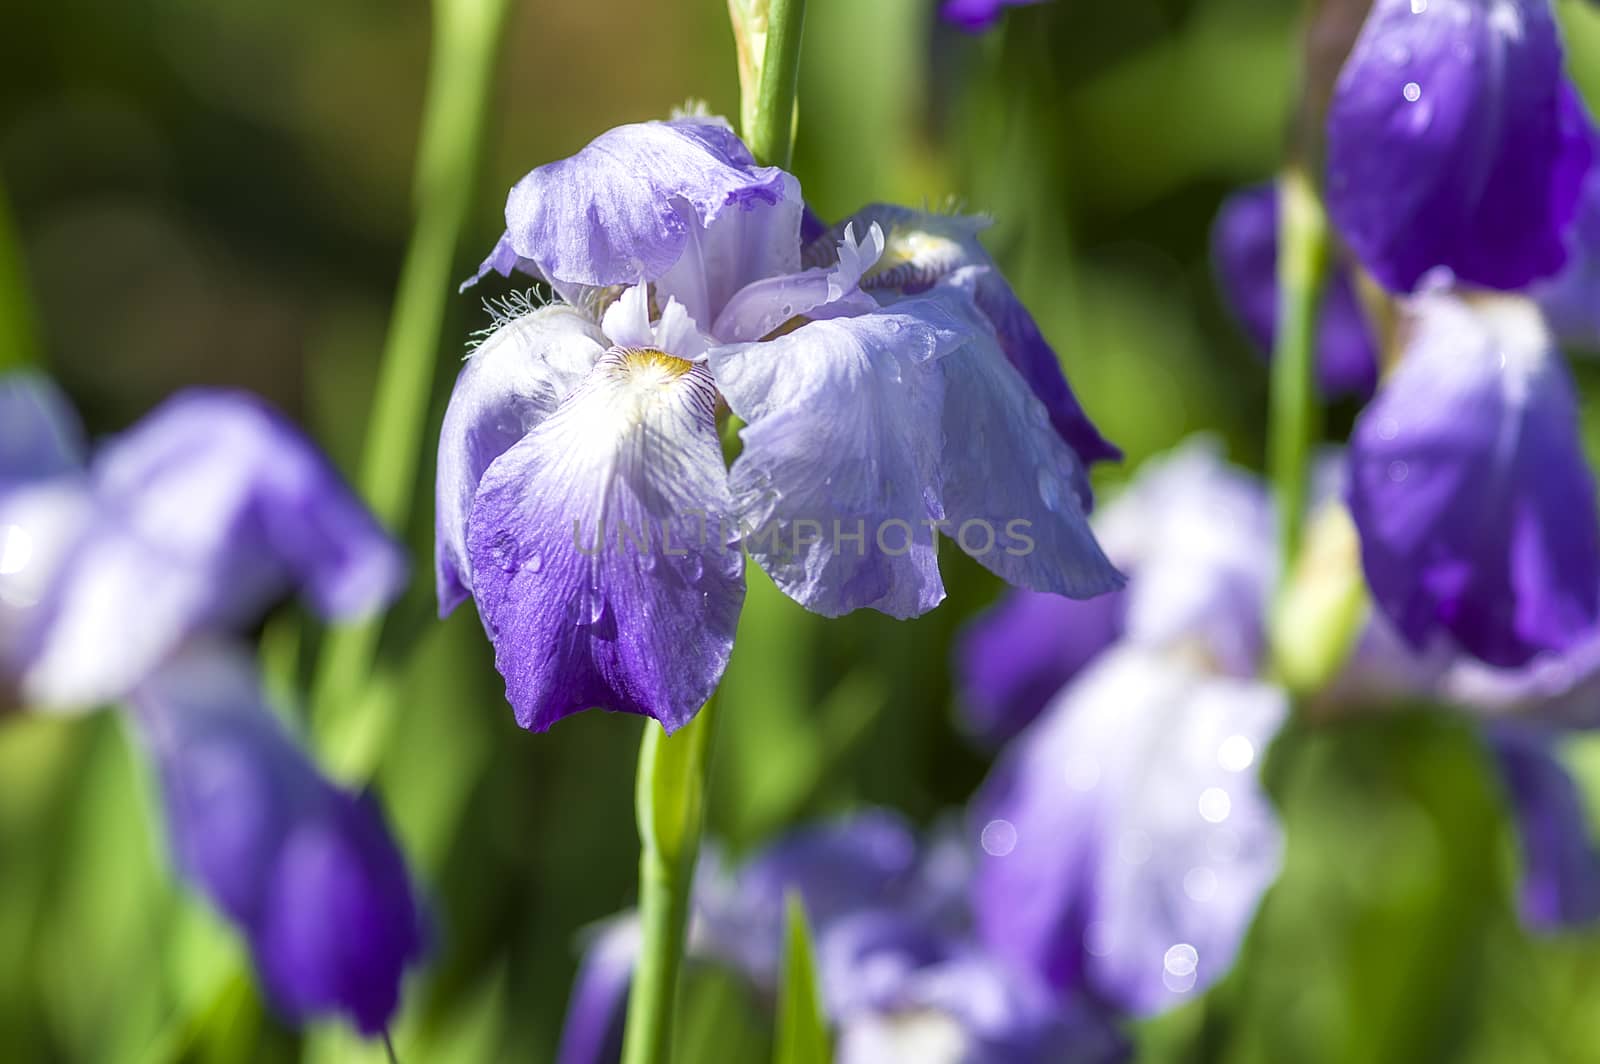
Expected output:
{"points": [[1015, 656], [1244, 250], [975, 16], [1571, 299], [194, 520], [582, 497], [1127, 840], [1455, 141], [1470, 490], [307, 871], [1195, 535], [115, 581], [902, 980], [1560, 864]]}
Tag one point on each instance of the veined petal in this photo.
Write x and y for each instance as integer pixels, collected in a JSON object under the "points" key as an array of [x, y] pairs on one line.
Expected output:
{"points": [[512, 382], [1560, 862], [309, 873], [632, 203], [1132, 840], [1470, 488], [1012, 488], [819, 292], [39, 433], [921, 249], [204, 512], [839, 478], [1453, 141], [601, 548], [1244, 249]]}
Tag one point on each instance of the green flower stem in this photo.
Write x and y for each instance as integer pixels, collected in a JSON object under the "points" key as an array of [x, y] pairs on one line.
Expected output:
{"points": [[19, 344], [770, 132], [670, 803], [466, 36], [1295, 418]]}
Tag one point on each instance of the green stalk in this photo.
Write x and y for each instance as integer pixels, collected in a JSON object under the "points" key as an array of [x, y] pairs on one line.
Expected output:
{"points": [[1295, 423], [770, 132], [466, 36], [19, 343], [1295, 417], [670, 804]]}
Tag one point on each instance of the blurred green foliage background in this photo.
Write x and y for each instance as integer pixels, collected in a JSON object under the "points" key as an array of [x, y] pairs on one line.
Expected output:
{"points": [[219, 192]]}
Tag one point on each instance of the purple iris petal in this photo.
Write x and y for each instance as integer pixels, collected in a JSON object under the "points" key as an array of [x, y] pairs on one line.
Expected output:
{"points": [[592, 1031], [923, 248], [902, 994], [1127, 840], [601, 548], [201, 514], [39, 433], [975, 16], [1555, 690], [819, 292], [1470, 490], [308, 872], [512, 382], [838, 479], [1011, 486], [1561, 866], [1197, 535], [1454, 141], [1571, 299], [1017, 655], [1244, 245], [640, 198], [866, 860]]}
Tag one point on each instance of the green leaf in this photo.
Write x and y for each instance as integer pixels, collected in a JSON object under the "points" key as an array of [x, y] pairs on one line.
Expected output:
{"points": [[802, 1033]]}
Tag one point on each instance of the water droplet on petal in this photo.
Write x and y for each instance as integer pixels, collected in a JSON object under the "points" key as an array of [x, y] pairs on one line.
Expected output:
{"points": [[1418, 6], [1215, 805], [999, 838], [1181, 959], [1398, 471], [693, 568], [1200, 883], [534, 563], [1412, 92], [1050, 489], [16, 549], [1236, 753]]}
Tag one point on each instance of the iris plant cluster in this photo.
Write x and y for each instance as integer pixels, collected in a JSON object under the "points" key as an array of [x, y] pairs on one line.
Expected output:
{"points": [[127, 577]]}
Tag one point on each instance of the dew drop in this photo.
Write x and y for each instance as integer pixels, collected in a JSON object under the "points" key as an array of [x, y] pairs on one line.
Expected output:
{"points": [[1419, 6], [693, 568], [1215, 805], [1181, 959], [16, 549], [1388, 428], [1236, 753], [1412, 92], [999, 838], [534, 563], [1398, 471], [647, 562], [1050, 489]]}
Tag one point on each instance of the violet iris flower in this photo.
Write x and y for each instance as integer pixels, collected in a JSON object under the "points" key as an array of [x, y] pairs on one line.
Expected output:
{"points": [[583, 501], [1244, 251], [1454, 140], [119, 582], [1126, 838], [975, 16], [1560, 885], [903, 980], [1469, 486], [1190, 530]]}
